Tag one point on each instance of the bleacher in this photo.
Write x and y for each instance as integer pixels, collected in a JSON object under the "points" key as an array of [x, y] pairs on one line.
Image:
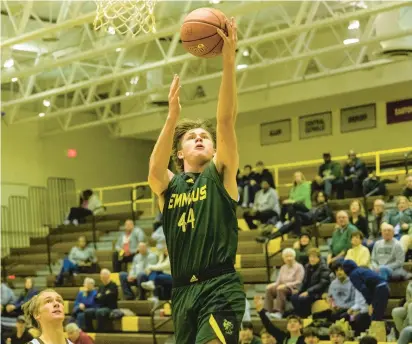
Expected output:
{"points": [[42, 259]]}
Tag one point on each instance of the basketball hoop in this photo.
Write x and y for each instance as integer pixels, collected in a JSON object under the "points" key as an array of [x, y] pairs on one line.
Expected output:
{"points": [[125, 16]]}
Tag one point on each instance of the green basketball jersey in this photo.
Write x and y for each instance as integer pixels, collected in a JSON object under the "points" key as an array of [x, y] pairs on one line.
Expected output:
{"points": [[199, 222]]}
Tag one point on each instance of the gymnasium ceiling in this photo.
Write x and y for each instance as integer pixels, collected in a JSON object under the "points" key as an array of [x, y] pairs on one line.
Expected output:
{"points": [[55, 64]]}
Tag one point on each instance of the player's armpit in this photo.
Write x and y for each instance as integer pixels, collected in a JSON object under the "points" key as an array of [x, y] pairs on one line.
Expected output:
{"points": [[159, 182]]}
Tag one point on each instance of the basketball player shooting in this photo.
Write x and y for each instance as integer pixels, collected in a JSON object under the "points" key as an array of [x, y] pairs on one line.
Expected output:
{"points": [[199, 212]]}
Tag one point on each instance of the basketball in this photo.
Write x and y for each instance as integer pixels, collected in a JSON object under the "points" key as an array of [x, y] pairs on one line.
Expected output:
{"points": [[199, 32]]}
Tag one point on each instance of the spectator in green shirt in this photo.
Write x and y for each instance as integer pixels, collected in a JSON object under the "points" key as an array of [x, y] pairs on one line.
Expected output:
{"points": [[341, 238], [329, 178]]}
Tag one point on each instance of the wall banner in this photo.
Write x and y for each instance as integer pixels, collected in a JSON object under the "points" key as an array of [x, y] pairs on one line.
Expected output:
{"points": [[275, 132], [399, 111], [358, 118], [319, 124]]}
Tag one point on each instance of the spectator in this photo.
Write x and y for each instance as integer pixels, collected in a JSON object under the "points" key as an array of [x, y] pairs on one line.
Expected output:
{"points": [[81, 259], [15, 309], [329, 177], [318, 215], [407, 191], [357, 217], [136, 275], [21, 335], [85, 299], [372, 286], [246, 190], [293, 328], [388, 256], [302, 248], [289, 279], [341, 238], [315, 283], [127, 245], [90, 204], [266, 206], [266, 337], [354, 172], [359, 253], [341, 293], [158, 274], [158, 234], [311, 335], [374, 186], [402, 316], [299, 196], [106, 300], [77, 336], [246, 334], [246, 315], [7, 296], [336, 334], [368, 340], [405, 337], [375, 222], [262, 173], [401, 220]]}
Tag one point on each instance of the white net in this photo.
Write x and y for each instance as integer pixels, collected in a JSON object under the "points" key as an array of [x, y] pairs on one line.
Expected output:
{"points": [[125, 16]]}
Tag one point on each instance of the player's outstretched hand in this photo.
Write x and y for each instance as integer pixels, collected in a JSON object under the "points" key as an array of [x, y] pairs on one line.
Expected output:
{"points": [[174, 100], [230, 41]]}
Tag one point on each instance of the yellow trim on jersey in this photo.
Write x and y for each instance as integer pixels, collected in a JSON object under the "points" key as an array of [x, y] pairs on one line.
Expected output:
{"points": [[216, 329]]}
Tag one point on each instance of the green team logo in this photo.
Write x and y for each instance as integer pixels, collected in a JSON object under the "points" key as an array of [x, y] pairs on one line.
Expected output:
{"points": [[228, 326]]}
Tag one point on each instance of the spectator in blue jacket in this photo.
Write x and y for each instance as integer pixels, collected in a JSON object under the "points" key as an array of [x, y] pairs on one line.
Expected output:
{"points": [[14, 309], [372, 286], [7, 296], [85, 299]]}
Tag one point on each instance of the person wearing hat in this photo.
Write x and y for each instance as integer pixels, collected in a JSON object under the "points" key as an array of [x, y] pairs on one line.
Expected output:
{"points": [[22, 335]]}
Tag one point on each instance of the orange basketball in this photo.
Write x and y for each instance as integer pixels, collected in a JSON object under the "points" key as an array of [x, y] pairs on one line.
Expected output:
{"points": [[199, 32]]}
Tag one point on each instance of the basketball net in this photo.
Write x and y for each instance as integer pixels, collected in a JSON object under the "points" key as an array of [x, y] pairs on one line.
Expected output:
{"points": [[125, 16]]}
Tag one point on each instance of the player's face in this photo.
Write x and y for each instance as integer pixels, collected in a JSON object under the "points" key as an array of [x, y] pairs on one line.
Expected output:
{"points": [[337, 339], [311, 340], [50, 307], [197, 146], [356, 241], [293, 325]]}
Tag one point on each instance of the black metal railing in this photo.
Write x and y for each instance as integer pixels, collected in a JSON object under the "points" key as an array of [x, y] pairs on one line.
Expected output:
{"points": [[156, 327], [269, 256], [406, 156]]}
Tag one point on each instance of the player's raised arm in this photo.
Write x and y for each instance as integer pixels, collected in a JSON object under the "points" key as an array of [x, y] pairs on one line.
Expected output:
{"points": [[159, 175], [227, 158]]}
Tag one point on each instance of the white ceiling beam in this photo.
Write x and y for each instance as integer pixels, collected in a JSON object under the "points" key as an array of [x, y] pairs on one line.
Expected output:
{"points": [[182, 58], [28, 5], [168, 31], [306, 55]]}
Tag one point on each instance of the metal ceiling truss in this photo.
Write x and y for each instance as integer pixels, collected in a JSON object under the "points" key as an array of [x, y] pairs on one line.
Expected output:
{"points": [[83, 74]]}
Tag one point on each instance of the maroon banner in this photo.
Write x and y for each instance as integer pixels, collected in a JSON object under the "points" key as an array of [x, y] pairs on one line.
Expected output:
{"points": [[399, 111]]}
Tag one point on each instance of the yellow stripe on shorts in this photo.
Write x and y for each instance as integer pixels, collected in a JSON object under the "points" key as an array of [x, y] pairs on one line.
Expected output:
{"points": [[216, 328]]}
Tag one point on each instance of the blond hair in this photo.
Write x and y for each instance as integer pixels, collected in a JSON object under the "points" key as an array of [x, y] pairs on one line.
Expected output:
{"points": [[31, 309], [181, 129], [361, 207]]}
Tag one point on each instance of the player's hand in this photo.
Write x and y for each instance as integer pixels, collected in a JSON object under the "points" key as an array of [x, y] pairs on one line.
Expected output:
{"points": [[230, 41], [174, 100], [258, 303]]}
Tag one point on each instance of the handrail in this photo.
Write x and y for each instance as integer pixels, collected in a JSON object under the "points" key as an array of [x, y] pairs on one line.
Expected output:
{"points": [[152, 319], [377, 155], [406, 161], [268, 257]]}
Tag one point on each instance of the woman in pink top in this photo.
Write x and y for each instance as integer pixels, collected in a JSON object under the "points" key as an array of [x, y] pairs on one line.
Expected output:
{"points": [[290, 277]]}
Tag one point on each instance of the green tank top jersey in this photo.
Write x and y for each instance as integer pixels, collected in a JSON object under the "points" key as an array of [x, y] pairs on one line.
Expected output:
{"points": [[199, 222]]}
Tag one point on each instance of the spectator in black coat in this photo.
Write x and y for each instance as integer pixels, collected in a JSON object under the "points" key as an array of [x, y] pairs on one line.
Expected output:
{"points": [[407, 192], [315, 283], [294, 326], [354, 173], [357, 217], [247, 191], [106, 300], [262, 173], [329, 178]]}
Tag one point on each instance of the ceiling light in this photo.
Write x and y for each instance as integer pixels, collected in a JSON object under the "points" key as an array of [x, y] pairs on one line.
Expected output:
{"points": [[350, 41], [8, 63], [14, 79], [118, 49], [353, 25], [111, 30], [241, 66], [42, 114], [214, 2], [134, 80], [129, 94], [245, 52], [46, 103]]}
